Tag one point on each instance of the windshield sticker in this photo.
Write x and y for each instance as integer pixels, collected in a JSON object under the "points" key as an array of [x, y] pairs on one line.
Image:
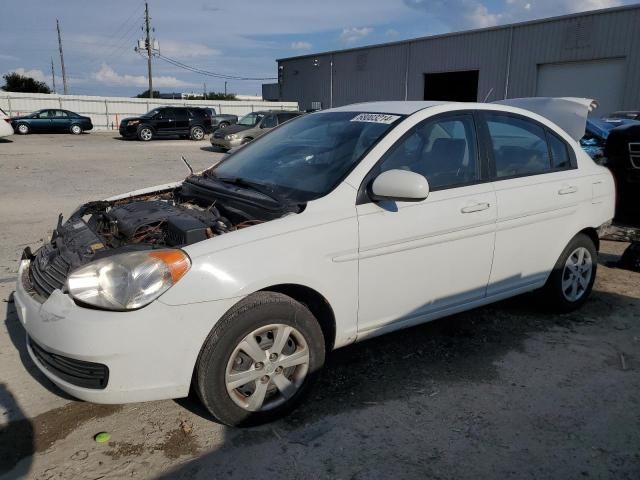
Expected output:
{"points": [[375, 118]]}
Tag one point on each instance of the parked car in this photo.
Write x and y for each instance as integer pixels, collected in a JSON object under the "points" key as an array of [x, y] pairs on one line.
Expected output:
{"points": [[336, 227], [250, 127], [50, 120], [5, 124], [616, 144], [628, 114], [185, 122], [220, 120]]}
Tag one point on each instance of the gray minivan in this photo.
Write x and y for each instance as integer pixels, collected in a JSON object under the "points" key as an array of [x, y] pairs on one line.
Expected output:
{"points": [[249, 127]]}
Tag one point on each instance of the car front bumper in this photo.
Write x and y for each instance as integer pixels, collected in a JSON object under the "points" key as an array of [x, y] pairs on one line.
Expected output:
{"points": [[226, 144], [150, 353]]}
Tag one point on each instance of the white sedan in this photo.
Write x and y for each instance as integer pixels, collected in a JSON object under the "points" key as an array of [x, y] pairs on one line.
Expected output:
{"points": [[5, 127], [333, 228]]}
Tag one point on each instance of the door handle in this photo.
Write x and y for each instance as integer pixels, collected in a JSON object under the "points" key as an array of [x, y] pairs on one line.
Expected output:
{"points": [[567, 190], [476, 207]]}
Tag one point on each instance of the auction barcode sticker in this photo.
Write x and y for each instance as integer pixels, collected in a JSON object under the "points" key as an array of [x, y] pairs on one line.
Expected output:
{"points": [[375, 118]]}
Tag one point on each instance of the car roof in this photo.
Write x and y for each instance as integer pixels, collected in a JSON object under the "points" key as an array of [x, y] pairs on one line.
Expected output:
{"points": [[399, 107]]}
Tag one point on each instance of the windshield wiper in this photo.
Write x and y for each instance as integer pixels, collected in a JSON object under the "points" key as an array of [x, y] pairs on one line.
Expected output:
{"points": [[258, 187]]}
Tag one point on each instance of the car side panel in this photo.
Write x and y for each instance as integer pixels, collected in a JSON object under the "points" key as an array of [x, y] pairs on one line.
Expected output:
{"points": [[316, 249]]}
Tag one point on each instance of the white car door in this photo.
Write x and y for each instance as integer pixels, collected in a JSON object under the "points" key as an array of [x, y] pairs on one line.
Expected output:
{"points": [[538, 192], [419, 260]]}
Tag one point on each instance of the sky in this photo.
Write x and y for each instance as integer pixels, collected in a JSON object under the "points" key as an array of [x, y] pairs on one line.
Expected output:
{"points": [[240, 38]]}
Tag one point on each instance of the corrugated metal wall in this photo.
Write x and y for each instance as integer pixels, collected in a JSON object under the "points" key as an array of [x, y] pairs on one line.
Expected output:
{"points": [[380, 72], [105, 112]]}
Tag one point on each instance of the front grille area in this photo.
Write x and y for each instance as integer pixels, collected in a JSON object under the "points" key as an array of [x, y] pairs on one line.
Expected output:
{"points": [[48, 271], [76, 372], [634, 154]]}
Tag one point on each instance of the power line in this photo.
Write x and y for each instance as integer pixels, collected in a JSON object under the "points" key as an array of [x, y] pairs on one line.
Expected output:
{"points": [[207, 73]]}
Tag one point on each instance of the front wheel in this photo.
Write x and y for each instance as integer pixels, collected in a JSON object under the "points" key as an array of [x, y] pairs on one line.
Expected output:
{"points": [[259, 360], [145, 134], [23, 129], [76, 129], [196, 133], [572, 278]]}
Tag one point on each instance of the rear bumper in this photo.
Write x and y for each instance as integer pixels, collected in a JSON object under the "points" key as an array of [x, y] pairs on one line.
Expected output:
{"points": [[149, 353]]}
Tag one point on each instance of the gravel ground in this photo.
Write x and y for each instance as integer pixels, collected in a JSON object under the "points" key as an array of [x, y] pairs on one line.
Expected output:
{"points": [[506, 391]]}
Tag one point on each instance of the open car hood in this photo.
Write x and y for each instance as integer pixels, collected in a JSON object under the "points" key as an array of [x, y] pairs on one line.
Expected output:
{"points": [[569, 113]]}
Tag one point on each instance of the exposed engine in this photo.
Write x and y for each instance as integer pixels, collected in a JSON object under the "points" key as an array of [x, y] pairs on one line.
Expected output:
{"points": [[197, 210]]}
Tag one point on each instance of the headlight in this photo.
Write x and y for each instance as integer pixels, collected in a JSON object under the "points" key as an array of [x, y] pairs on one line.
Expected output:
{"points": [[128, 280], [232, 136], [132, 122]]}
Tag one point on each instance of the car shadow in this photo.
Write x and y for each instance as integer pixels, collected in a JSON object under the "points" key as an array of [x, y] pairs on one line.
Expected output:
{"points": [[5, 140], [409, 367], [17, 436]]}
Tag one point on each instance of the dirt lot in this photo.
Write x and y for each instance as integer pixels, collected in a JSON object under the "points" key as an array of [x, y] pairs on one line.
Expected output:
{"points": [[507, 391]]}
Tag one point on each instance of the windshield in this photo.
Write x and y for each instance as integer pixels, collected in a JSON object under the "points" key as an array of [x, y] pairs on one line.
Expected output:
{"points": [[306, 158], [251, 119], [152, 113]]}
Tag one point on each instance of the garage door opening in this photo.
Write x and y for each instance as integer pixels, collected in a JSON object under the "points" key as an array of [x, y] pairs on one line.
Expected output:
{"points": [[452, 86]]}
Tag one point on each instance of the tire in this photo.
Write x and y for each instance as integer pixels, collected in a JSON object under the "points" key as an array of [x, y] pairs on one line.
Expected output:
{"points": [[573, 275], [145, 134], [76, 129], [23, 129], [259, 317], [223, 125], [196, 133]]}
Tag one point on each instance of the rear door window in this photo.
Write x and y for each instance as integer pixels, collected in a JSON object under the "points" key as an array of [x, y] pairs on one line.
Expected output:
{"points": [[519, 146], [269, 122], [181, 114], [559, 152]]}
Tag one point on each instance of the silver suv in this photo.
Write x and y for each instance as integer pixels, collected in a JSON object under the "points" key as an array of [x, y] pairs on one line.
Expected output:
{"points": [[249, 127]]}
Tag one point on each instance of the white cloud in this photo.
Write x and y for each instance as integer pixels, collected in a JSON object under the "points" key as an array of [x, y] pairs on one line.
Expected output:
{"points": [[178, 49], [109, 76], [463, 14], [300, 45], [351, 35]]}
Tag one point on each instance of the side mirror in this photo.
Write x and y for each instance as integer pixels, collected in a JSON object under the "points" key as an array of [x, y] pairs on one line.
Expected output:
{"points": [[399, 185]]}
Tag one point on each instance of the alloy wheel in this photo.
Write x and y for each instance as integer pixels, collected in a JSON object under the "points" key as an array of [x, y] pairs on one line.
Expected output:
{"points": [[197, 133], [23, 129], [146, 134], [577, 273], [267, 367]]}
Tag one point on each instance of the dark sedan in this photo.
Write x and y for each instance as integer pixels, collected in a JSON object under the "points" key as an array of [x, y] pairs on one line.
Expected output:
{"points": [[51, 120]]}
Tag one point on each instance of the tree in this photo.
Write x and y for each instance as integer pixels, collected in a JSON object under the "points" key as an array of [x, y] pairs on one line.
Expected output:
{"points": [[145, 94], [213, 96], [14, 82]]}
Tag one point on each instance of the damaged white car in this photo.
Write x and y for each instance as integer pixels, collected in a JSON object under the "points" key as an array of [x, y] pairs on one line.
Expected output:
{"points": [[334, 227]]}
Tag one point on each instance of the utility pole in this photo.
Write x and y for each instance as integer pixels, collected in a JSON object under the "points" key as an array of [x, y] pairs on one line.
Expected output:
{"points": [[53, 76], [148, 45], [64, 73], [225, 88], [204, 91]]}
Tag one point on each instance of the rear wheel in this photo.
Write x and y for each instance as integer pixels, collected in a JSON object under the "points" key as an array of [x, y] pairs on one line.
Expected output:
{"points": [[23, 129], [223, 124], [571, 281], [196, 133], [145, 134], [259, 360], [76, 129]]}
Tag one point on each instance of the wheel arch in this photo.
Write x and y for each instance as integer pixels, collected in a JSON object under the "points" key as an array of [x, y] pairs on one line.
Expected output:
{"points": [[316, 303], [592, 233]]}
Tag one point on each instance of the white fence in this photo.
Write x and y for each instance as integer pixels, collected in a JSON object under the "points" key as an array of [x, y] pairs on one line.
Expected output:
{"points": [[106, 112]]}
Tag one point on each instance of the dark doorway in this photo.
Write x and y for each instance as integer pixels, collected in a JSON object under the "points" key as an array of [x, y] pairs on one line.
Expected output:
{"points": [[452, 86]]}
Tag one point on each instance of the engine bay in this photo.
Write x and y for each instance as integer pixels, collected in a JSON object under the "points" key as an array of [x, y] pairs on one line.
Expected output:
{"points": [[198, 209]]}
